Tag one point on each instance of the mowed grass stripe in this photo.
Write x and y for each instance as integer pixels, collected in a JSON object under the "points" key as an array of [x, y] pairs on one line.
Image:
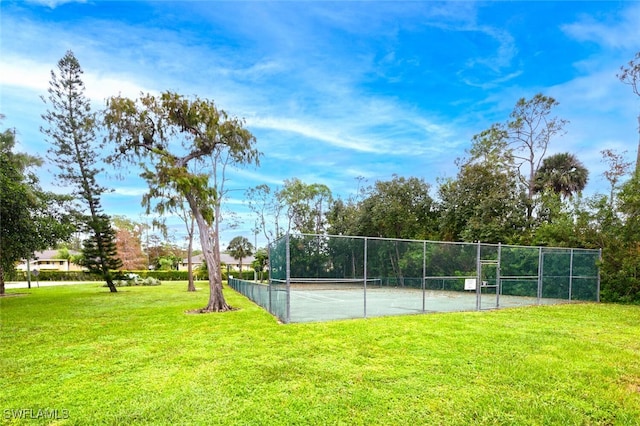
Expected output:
{"points": [[136, 357]]}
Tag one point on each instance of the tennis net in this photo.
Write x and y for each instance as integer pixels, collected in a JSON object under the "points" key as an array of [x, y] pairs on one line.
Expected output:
{"points": [[330, 283]]}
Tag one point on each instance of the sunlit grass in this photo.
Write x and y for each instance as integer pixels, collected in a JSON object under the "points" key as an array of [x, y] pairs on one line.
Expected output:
{"points": [[137, 357]]}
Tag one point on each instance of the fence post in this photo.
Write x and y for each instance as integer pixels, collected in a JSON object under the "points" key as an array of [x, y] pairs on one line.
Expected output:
{"points": [[424, 275], [365, 276], [478, 276], [498, 276], [598, 285], [288, 277], [269, 275], [571, 274], [540, 273]]}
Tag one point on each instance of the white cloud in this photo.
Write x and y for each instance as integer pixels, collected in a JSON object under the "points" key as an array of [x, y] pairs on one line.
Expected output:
{"points": [[28, 74], [309, 131], [24, 73], [616, 31], [130, 192], [52, 4]]}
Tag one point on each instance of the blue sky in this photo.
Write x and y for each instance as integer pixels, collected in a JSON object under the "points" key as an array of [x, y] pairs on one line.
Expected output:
{"points": [[334, 91]]}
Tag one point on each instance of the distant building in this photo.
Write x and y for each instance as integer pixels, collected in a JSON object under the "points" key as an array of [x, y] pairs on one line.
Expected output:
{"points": [[226, 259], [49, 260]]}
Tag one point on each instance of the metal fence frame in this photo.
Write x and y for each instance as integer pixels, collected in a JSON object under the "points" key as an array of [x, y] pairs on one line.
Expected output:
{"points": [[275, 296]]}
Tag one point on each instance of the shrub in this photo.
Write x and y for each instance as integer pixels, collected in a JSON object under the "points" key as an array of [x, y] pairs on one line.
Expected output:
{"points": [[163, 275], [135, 280]]}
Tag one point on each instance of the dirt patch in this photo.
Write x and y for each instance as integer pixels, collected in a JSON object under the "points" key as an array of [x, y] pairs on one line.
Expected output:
{"points": [[634, 387], [14, 294], [203, 311]]}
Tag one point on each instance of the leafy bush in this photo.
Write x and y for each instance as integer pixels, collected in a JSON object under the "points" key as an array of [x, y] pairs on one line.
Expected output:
{"points": [[163, 275], [135, 280], [247, 275]]}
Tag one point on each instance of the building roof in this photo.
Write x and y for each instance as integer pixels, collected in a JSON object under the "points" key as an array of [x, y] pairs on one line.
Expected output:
{"points": [[224, 258], [50, 254]]}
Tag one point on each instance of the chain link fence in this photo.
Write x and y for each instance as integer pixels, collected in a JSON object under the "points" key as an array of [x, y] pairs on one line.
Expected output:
{"points": [[325, 277]]}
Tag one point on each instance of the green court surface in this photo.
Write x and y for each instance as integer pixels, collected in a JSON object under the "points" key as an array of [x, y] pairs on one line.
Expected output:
{"points": [[322, 305]]}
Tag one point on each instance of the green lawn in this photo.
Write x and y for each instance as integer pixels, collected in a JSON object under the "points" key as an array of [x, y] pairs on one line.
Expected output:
{"points": [[135, 357]]}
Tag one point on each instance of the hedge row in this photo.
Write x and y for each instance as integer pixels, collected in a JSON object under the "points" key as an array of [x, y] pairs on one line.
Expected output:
{"points": [[55, 276], [86, 276]]}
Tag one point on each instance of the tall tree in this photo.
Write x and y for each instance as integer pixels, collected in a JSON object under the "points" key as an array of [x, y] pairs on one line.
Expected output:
{"points": [[622, 272], [240, 248], [482, 204], [148, 128], [487, 200], [30, 219], [71, 130], [306, 205], [530, 131], [521, 142], [297, 206], [630, 75], [563, 174], [266, 204], [399, 208]]}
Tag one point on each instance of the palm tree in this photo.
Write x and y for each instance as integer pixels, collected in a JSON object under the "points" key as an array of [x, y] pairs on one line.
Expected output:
{"points": [[239, 248], [563, 174]]}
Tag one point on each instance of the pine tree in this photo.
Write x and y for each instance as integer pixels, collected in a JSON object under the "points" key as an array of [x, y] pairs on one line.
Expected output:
{"points": [[71, 132]]}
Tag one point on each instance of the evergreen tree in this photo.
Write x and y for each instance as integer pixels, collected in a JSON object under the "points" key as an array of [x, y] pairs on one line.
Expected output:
{"points": [[71, 132]]}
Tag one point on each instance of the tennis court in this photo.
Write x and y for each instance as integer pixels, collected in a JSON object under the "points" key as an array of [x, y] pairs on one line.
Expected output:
{"points": [[325, 305], [326, 302], [321, 277]]}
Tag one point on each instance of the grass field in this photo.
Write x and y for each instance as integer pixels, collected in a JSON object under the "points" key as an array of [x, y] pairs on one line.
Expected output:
{"points": [[89, 357]]}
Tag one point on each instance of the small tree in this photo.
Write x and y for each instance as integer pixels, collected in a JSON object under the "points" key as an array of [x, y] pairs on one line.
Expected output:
{"points": [[260, 262], [239, 248], [129, 244], [71, 132], [178, 205], [618, 167], [148, 128]]}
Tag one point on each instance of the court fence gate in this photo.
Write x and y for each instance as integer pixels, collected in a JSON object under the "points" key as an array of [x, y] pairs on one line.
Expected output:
{"points": [[326, 277]]}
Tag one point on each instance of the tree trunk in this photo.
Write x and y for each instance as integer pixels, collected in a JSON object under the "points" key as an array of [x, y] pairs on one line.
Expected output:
{"points": [[191, 286], [400, 274], [2, 290], [107, 276], [211, 253], [110, 284], [353, 263], [638, 155]]}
